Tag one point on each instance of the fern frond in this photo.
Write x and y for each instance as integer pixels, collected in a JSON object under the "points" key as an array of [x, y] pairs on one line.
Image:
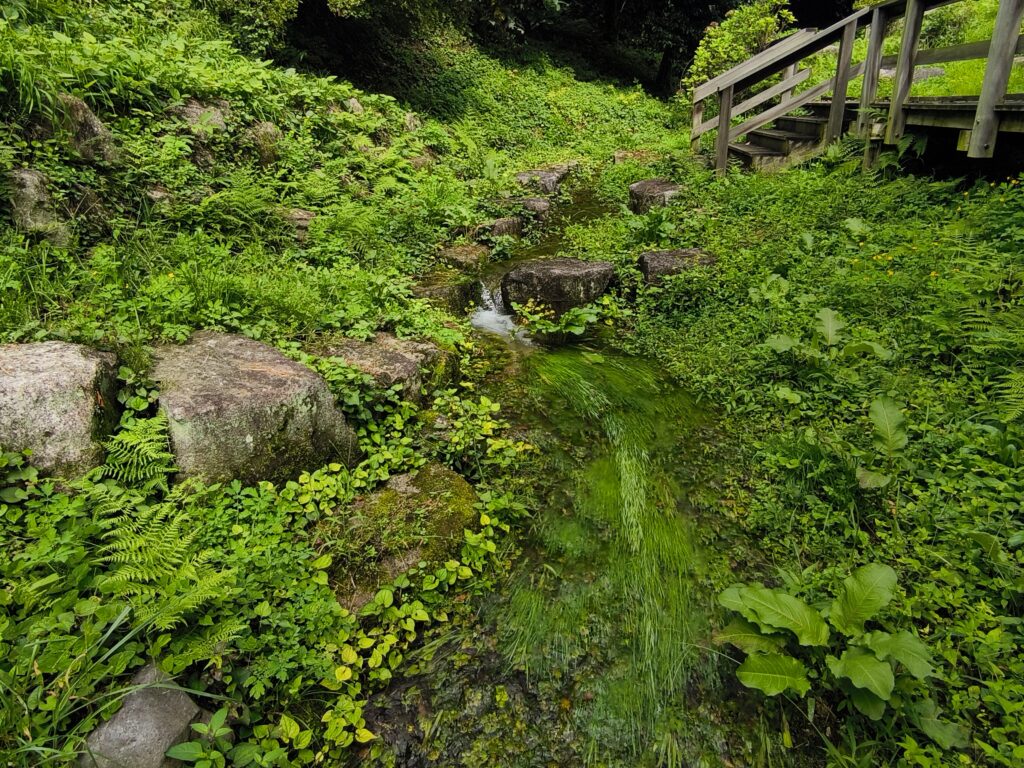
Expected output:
{"points": [[1011, 395], [139, 455]]}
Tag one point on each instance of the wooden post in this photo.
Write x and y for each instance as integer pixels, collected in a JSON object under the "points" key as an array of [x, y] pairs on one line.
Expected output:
{"points": [[787, 73], [724, 124], [872, 68], [837, 115], [997, 76], [698, 120], [905, 62]]}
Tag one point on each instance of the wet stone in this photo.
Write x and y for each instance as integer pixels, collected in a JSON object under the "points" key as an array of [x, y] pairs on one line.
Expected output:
{"points": [[656, 265], [238, 408], [557, 283], [547, 180], [411, 365], [652, 193], [539, 207], [450, 290], [57, 400], [510, 226], [469, 258]]}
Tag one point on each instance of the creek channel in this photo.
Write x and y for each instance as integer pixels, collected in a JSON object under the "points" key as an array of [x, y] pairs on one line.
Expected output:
{"points": [[589, 652]]}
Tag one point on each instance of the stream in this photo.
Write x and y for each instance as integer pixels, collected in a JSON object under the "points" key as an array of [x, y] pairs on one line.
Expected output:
{"points": [[588, 654]]}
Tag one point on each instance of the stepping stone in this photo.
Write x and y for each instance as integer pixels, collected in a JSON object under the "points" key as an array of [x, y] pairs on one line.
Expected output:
{"points": [[557, 283], [652, 193], [547, 180], [239, 408], [452, 291], [469, 258], [57, 400], [540, 207], [151, 720], [656, 265], [390, 361], [510, 226]]}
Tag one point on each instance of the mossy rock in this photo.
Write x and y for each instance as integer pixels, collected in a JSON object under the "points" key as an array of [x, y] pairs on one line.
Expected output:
{"points": [[416, 517]]}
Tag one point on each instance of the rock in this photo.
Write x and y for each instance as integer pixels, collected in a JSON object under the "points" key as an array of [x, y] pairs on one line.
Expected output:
{"points": [[510, 226], [84, 204], [151, 720], [90, 138], [264, 138], [438, 502], [558, 283], [450, 290], [412, 122], [202, 118], [469, 258], [32, 207], [634, 155], [238, 408], [158, 194], [653, 193], [656, 265], [300, 219], [420, 162], [391, 361], [354, 106], [538, 206], [57, 399], [547, 180]]}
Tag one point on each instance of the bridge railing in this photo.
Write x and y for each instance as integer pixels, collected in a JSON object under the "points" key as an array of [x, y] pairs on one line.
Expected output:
{"points": [[785, 57]]}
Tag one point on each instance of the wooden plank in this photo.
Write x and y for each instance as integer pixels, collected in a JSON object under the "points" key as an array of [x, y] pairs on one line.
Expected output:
{"points": [[837, 114], [698, 124], [758, 99], [753, 64], [997, 77], [872, 67], [787, 73], [779, 110], [904, 69], [724, 120]]}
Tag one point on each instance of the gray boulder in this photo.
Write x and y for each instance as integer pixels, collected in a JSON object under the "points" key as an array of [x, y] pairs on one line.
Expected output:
{"points": [[412, 122], [151, 720], [656, 265], [238, 408], [32, 207], [450, 290], [90, 138], [547, 180], [510, 226], [539, 207], [57, 399], [392, 361], [652, 193], [469, 258], [354, 106], [203, 118], [300, 219], [558, 283], [263, 138]]}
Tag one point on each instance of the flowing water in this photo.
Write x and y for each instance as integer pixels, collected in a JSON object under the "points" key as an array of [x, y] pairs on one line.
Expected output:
{"points": [[587, 654]]}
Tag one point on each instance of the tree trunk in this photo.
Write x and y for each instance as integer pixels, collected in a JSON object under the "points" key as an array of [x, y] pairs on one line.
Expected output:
{"points": [[665, 82], [612, 16]]}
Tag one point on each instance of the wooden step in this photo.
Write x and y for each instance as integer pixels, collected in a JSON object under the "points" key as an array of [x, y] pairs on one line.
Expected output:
{"points": [[824, 108], [805, 126], [780, 141], [753, 157]]}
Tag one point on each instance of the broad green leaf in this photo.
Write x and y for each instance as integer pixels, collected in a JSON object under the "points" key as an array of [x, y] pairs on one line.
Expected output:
{"points": [[781, 343], [774, 673], [829, 326], [867, 703], [244, 754], [781, 611], [870, 481], [862, 668], [890, 426], [865, 592], [990, 545], [747, 637], [288, 728], [855, 348], [190, 751], [925, 714], [905, 648]]}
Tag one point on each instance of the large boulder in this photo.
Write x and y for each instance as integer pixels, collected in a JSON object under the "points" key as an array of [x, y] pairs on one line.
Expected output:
{"points": [[656, 265], [203, 118], [558, 283], [90, 138], [32, 208], [57, 400], [238, 408], [547, 180], [432, 507], [154, 717], [391, 361], [450, 290], [652, 193], [509, 226]]}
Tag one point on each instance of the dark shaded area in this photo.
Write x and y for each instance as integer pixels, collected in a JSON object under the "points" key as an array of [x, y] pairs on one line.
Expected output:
{"points": [[942, 159], [820, 13]]}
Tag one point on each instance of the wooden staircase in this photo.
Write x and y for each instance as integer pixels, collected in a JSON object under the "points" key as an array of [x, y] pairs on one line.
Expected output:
{"points": [[788, 119]]}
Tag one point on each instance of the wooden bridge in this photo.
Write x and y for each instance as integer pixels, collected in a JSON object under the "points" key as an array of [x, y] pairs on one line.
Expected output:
{"points": [[785, 122]]}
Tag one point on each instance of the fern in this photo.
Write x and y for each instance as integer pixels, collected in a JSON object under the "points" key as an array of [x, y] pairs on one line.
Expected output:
{"points": [[139, 455], [1011, 394]]}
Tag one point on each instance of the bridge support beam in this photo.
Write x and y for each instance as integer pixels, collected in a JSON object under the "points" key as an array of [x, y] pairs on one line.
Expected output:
{"points": [[997, 78], [905, 63], [837, 114]]}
